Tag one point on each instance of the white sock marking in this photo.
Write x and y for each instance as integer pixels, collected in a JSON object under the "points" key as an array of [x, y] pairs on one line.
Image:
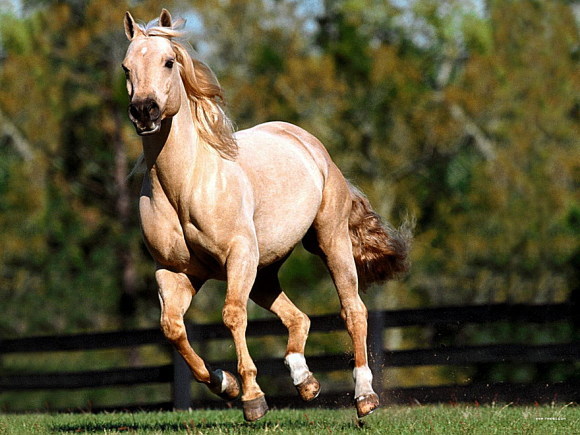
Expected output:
{"points": [[296, 363], [363, 380]]}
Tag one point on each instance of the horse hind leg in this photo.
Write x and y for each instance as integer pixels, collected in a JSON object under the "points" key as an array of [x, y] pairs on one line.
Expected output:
{"points": [[342, 268], [268, 294], [175, 294], [330, 239]]}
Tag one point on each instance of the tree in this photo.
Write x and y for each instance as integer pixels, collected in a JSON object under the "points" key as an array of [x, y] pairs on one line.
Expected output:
{"points": [[70, 106]]}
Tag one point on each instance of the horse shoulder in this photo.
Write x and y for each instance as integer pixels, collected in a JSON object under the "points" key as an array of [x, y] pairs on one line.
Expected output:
{"points": [[162, 233], [220, 202], [165, 236]]}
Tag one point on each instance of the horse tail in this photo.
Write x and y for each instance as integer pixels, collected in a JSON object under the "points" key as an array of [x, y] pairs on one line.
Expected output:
{"points": [[380, 251]]}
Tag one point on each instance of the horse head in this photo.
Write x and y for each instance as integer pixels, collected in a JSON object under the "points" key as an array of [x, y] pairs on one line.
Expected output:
{"points": [[152, 72]]}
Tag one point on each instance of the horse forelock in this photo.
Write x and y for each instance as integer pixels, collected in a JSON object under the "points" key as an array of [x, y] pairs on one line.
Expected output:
{"points": [[203, 90], [153, 28]]}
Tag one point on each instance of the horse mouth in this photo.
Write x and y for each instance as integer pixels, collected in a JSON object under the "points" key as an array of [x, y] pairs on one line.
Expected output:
{"points": [[148, 129]]}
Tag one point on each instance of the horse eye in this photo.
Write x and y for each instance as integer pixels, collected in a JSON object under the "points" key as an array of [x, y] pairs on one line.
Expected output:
{"points": [[125, 69], [169, 63]]}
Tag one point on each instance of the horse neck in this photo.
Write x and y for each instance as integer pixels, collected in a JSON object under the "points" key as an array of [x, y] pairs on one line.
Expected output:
{"points": [[173, 153]]}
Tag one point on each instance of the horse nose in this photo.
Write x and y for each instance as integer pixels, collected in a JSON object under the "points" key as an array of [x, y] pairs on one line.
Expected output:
{"points": [[144, 111]]}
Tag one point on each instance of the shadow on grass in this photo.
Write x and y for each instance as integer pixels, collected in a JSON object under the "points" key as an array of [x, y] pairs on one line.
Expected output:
{"points": [[194, 426]]}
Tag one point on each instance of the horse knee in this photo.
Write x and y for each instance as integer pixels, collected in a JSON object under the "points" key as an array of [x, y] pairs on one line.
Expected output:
{"points": [[354, 312], [247, 371], [173, 329], [234, 315]]}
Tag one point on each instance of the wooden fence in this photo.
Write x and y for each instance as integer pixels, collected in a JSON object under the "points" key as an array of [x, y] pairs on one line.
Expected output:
{"points": [[179, 375]]}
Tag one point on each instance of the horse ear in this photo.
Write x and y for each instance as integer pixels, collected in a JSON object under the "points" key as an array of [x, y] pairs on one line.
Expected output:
{"points": [[165, 18], [131, 28]]}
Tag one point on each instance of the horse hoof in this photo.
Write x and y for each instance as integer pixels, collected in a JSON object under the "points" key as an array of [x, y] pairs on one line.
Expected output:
{"points": [[309, 389], [255, 409], [366, 404], [226, 385]]}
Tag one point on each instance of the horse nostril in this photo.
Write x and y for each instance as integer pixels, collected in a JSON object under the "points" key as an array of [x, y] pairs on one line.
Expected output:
{"points": [[153, 109], [134, 112]]}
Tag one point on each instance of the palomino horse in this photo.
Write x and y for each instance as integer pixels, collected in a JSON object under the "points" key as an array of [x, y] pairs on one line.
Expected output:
{"points": [[219, 205]]}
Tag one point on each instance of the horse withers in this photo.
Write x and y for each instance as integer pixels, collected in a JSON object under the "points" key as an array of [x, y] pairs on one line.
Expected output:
{"points": [[231, 206]]}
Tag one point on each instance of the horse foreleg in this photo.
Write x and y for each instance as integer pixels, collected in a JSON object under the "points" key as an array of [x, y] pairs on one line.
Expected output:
{"points": [[175, 294], [268, 294], [241, 269]]}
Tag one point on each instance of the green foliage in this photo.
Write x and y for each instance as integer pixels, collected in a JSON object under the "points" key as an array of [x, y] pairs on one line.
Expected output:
{"points": [[62, 269]]}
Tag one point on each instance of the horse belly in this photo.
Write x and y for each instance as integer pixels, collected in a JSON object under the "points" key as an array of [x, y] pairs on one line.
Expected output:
{"points": [[287, 195], [279, 231]]}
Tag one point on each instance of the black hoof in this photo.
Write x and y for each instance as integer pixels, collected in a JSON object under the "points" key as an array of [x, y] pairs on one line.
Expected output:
{"points": [[255, 409]]}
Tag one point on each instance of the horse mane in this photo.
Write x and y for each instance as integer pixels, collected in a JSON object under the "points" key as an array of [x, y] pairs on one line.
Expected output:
{"points": [[205, 94]]}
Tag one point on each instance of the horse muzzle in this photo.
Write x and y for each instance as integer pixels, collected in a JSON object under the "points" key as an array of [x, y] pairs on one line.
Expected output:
{"points": [[145, 115]]}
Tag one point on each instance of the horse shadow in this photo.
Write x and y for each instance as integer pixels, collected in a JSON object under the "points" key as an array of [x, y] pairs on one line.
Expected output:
{"points": [[304, 425]]}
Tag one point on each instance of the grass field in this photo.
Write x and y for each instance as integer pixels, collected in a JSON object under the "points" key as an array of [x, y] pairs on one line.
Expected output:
{"points": [[459, 419]]}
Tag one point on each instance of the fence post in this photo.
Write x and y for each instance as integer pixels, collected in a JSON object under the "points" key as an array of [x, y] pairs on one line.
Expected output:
{"points": [[182, 378], [375, 341]]}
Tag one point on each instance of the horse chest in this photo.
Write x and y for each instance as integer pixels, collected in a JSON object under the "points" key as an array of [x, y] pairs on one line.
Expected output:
{"points": [[172, 243]]}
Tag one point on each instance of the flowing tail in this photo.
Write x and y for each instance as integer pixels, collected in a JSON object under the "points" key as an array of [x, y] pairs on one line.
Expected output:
{"points": [[380, 251]]}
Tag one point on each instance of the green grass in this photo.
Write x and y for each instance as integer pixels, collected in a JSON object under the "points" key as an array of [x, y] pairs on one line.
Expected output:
{"points": [[461, 419]]}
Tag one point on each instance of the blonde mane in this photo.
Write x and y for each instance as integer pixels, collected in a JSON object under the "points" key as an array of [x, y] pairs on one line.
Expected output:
{"points": [[203, 90]]}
